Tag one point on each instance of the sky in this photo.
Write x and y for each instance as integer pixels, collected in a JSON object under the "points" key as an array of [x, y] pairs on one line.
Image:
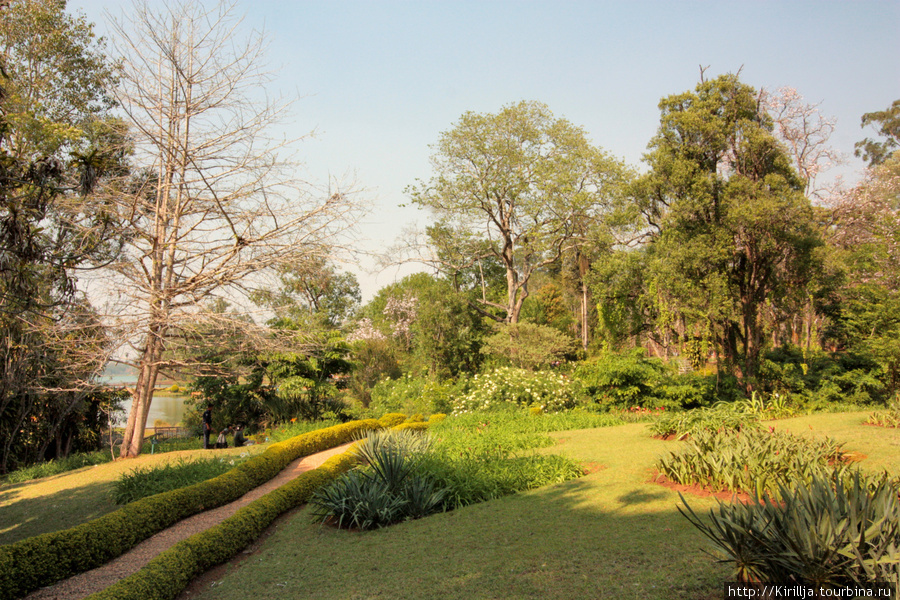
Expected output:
{"points": [[379, 81]]}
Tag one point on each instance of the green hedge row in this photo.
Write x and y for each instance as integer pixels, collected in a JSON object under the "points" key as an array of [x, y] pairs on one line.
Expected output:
{"points": [[164, 577], [167, 575], [45, 559]]}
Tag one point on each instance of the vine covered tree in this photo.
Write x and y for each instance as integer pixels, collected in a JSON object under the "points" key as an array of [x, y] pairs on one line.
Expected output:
{"points": [[216, 205], [732, 227]]}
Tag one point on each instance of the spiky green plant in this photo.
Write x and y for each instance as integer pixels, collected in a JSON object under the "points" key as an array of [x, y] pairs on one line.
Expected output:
{"points": [[826, 532]]}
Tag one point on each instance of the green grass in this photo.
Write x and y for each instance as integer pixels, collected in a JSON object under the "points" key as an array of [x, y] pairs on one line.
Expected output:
{"points": [[65, 500], [611, 534]]}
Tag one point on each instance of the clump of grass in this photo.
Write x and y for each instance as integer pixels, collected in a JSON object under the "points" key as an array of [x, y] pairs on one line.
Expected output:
{"points": [[721, 417], [480, 457], [142, 482], [752, 461], [55, 467]]}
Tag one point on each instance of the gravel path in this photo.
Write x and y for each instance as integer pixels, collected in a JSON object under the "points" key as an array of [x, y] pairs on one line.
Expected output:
{"points": [[90, 582]]}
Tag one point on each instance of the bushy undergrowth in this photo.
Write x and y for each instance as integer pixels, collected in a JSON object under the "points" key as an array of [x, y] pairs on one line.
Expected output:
{"points": [[292, 429], [752, 460], [471, 458], [147, 481], [55, 467], [411, 395], [511, 387], [721, 417], [821, 533]]}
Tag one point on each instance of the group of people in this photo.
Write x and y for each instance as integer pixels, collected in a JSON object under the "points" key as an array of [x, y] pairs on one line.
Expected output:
{"points": [[221, 441]]}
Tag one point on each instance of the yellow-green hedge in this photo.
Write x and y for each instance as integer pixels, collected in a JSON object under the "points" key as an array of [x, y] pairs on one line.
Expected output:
{"points": [[164, 577], [42, 560]]}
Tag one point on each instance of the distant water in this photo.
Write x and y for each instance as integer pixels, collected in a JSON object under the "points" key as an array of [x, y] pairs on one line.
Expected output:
{"points": [[165, 407]]}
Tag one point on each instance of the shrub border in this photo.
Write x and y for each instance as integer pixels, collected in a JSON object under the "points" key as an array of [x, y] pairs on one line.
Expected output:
{"points": [[43, 560], [170, 572]]}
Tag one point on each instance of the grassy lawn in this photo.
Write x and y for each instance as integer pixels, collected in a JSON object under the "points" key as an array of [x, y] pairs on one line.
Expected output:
{"points": [[611, 534], [65, 500]]}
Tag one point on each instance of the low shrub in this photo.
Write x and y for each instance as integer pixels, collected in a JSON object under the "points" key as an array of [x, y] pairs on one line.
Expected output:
{"points": [[164, 577], [390, 488], [821, 533], [506, 386], [42, 560], [720, 417], [141, 482], [751, 460], [410, 395], [886, 418]]}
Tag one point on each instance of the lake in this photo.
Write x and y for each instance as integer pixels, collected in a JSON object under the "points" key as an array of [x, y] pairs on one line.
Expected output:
{"points": [[165, 407]]}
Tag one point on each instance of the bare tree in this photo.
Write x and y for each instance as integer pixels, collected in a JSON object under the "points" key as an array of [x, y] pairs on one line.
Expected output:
{"points": [[805, 132], [212, 204]]}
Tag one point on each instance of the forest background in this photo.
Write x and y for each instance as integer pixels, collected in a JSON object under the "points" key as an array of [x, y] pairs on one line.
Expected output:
{"points": [[729, 264]]}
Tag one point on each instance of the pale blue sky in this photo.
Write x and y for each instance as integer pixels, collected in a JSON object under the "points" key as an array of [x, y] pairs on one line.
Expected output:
{"points": [[380, 80]]}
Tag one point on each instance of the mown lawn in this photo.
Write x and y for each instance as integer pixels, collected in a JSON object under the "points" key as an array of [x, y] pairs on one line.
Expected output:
{"points": [[612, 534], [65, 500]]}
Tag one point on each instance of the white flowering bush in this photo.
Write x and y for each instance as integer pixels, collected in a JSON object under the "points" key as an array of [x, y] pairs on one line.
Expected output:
{"points": [[509, 386]]}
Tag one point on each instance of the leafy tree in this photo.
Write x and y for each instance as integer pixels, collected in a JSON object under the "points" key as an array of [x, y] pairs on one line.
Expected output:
{"points": [[888, 126], [54, 147], [732, 225], [315, 292], [528, 345], [515, 186]]}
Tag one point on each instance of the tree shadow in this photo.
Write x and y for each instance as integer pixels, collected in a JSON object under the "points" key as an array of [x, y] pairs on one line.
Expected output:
{"points": [[21, 518]]}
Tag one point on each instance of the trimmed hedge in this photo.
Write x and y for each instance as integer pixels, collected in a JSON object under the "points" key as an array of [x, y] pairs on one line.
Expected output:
{"points": [[42, 560], [164, 577]]}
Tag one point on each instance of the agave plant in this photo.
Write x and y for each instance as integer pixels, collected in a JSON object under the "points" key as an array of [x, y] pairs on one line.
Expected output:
{"points": [[390, 486], [825, 533]]}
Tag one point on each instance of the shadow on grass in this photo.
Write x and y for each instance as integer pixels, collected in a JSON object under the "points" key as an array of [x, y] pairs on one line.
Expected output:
{"points": [[22, 517], [641, 497], [573, 540]]}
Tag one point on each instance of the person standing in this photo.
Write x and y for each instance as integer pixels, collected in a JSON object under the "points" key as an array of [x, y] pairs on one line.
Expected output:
{"points": [[207, 425]]}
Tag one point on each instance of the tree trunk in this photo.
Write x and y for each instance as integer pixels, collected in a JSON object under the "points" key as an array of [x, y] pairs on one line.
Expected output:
{"points": [[142, 397]]}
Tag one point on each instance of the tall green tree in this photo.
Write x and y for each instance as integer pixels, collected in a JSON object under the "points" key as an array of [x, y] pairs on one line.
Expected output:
{"points": [[54, 147], [731, 225], [518, 186]]}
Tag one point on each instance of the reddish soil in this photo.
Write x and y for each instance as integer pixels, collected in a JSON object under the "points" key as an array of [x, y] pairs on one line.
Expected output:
{"points": [[592, 467], [696, 490]]}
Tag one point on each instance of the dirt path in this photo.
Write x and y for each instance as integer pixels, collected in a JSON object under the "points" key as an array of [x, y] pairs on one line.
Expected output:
{"points": [[90, 582]]}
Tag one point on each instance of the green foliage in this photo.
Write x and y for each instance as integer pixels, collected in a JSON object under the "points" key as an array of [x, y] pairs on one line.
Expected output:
{"points": [[528, 346], [538, 171], [888, 121], [622, 380], [484, 456], [411, 395], [820, 533], [42, 560], [751, 460], [722, 417], [392, 487], [55, 467], [165, 576], [506, 386], [142, 482], [732, 229]]}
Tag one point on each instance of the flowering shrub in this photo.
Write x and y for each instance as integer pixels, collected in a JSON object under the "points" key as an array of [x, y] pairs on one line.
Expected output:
{"points": [[411, 395], [509, 386]]}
